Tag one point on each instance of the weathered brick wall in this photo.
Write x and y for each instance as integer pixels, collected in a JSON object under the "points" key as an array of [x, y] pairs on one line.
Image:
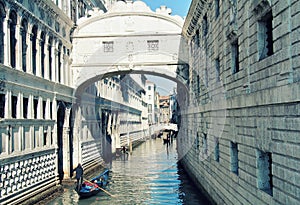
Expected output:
{"points": [[258, 107]]}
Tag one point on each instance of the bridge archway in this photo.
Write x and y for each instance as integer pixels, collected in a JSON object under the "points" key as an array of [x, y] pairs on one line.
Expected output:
{"points": [[128, 39]]}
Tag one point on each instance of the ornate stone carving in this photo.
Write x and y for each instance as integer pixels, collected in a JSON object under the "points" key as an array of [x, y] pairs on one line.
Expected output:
{"points": [[261, 7]]}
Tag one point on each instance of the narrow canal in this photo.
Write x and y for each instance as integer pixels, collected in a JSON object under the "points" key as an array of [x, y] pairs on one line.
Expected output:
{"points": [[150, 175]]}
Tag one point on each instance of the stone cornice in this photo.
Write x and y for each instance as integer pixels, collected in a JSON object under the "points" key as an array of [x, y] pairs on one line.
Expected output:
{"points": [[35, 19], [86, 21], [57, 13], [195, 12]]}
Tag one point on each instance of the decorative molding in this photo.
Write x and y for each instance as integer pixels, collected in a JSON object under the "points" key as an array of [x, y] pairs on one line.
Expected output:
{"points": [[197, 9], [232, 32], [261, 7]]}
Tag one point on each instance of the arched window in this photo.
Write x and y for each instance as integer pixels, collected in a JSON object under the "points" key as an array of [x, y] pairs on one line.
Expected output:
{"points": [[24, 28], [50, 40], [42, 49], [33, 48], [12, 37], [2, 16]]}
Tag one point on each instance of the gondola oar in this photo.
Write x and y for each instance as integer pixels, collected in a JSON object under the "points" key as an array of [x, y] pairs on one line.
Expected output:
{"points": [[99, 187]]}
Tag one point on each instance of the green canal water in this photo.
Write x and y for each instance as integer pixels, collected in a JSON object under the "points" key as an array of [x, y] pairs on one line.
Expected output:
{"points": [[150, 175]]}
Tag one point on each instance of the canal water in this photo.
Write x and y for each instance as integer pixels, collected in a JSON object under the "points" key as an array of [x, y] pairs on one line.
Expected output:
{"points": [[150, 175]]}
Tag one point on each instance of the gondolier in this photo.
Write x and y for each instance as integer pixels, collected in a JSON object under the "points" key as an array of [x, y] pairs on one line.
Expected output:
{"points": [[79, 175]]}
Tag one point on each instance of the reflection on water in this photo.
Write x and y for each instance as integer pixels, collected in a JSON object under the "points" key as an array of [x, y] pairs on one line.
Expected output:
{"points": [[149, 176]]}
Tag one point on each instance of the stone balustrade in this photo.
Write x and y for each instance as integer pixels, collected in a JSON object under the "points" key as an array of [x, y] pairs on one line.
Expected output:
{"points": [[23, 173]]}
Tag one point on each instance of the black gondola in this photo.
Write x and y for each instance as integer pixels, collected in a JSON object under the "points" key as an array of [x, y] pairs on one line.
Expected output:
{"points": [[93, 186]]}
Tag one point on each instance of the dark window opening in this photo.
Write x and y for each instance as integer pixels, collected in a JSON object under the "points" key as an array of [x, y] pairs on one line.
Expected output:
{"points": [[205, 148], [217, 70], [197, 38], [34, 50], [25, 107], [235, 57], [44, 109], [45, 138], [198, 85], [234, 158], [205, 25], [264, 171], [2, 105], [14, 102], [35, 107], [265, 36], [217, 8], [42, 50], [24, 44], [217, 149], [12, 38], [50, 110], [197, 142]]}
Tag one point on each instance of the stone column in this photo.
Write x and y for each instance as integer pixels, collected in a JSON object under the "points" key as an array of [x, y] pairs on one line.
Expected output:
{"points": [[54, 117], [38, 55], [40, 108], [117, 130], [28, 53], [6, 41], [66, 142], [46, 60], [47, 112], [30, 107], [8, 107], [77, 134], [18, 48], [68, 8], [52, 49], [55, 63], [20, 106]]}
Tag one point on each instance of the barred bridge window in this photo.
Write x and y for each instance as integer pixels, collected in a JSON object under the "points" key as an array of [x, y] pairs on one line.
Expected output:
{"points": [[152, 45], [108, 46]]}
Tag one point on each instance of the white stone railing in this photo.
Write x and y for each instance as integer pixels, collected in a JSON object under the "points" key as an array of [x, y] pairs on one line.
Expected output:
{"points": [[22, 176], [134, 137], [91, 153]]}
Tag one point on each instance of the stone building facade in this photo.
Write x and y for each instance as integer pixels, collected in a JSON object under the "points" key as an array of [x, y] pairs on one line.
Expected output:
{"points": [[239, 135], [36, 94], [113, 114]]}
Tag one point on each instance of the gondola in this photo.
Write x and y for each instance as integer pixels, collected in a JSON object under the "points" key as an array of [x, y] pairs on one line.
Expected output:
{"points": [[94, 186]]}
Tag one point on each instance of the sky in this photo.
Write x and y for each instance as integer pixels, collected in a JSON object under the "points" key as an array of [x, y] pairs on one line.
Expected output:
{"points": [[180, 8], [163, 86]]}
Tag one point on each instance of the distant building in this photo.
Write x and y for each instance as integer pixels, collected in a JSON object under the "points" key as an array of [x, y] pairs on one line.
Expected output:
{"points": [[150, 99], [164, 105], [173, 107]]}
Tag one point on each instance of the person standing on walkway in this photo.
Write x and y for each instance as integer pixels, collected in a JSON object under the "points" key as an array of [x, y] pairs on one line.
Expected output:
{"points": [[79, 175]]}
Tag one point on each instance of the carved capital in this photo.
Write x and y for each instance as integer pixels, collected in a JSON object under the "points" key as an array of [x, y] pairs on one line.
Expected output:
{"points": [[261, 7]]}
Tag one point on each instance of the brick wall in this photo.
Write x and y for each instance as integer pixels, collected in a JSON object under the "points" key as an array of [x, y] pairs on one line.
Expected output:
{"points": [[257, 108]]}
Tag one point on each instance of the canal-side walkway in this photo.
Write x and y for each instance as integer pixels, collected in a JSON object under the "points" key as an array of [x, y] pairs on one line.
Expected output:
{"points": [[150, 175]]}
